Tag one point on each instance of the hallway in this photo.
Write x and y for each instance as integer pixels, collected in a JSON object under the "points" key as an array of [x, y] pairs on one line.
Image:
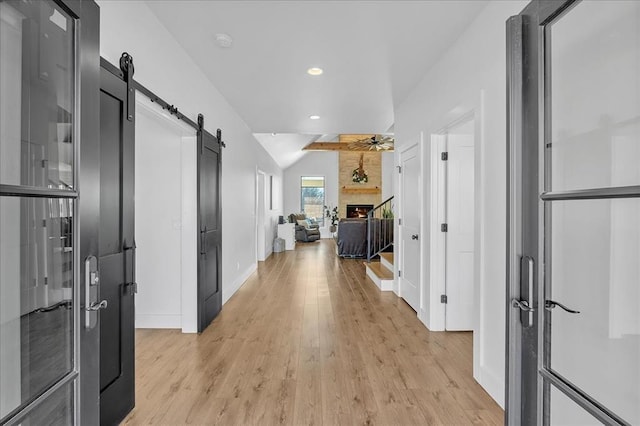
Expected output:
{"points": [[308, 339]]}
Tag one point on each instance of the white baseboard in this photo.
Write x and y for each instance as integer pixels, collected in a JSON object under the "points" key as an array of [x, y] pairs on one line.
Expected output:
{"points": [[237, 283], [158, 321], [492, 384], [423, 317], [175, 320]]}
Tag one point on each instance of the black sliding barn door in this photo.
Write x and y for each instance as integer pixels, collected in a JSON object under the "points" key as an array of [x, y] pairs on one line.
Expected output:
{"points": [[209, 224], [116, 250]]}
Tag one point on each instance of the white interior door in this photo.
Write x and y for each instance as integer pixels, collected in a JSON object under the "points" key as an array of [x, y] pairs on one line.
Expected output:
{"points": [[260, 207], [410, 227], [460, 226]]}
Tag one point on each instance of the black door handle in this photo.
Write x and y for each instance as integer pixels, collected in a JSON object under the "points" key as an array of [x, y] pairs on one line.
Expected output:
{"points": [[414, 237], [203, 234], [131, 287]]}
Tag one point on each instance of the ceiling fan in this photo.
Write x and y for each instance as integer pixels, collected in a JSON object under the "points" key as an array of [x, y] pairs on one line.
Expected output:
{"points": [[374, 143]]}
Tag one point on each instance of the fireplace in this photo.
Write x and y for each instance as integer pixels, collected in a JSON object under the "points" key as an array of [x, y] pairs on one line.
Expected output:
{"points": [[358, 210]]}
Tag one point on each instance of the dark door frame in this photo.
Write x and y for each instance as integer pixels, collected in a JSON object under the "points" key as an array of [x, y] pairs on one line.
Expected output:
{"points": [[525, 81], [529, 194], [85, 371]]}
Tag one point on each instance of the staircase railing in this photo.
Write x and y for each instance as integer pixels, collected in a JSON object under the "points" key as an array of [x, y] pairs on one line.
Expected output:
{"points": [[379, 228]]}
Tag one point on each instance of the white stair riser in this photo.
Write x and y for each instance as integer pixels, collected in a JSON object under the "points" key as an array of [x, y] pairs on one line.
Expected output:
{"points": [[382, 284], [384, 262]]}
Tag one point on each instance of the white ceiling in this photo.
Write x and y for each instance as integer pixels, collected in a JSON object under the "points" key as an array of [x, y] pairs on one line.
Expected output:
{"points": [[286, 148], [372, 52]]}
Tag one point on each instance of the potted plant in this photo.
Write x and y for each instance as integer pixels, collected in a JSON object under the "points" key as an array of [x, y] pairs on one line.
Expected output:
{"points": [[332, 214]]}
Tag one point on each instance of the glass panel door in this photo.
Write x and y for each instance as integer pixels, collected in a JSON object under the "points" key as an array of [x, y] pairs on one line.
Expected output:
{"points": [[38, 295], [591, 298]]}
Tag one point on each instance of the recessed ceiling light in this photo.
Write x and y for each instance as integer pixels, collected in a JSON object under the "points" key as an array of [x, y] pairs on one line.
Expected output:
{"points": [[315, 71], [273, 134], [224, 40], [314, 117]]}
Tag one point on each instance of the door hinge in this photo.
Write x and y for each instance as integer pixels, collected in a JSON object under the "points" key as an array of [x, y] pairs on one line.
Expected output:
{"points": [[399, 169], [399, 221], [131, 288], [201, 131], [399, 273], [444, 227], [443, 298], [219, 137], [444, 156]]}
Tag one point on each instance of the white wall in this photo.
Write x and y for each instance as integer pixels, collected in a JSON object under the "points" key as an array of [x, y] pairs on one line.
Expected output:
{"points": [[388, 170], [163, 66], [315, 163], [271, 210], [472, 75]]}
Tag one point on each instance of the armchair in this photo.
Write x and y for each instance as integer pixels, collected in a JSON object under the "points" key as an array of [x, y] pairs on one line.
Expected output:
{"points": [[305, 230]]}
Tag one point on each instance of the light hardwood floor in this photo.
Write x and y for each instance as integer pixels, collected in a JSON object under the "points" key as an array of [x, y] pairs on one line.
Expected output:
{"points": [[309, 340]]}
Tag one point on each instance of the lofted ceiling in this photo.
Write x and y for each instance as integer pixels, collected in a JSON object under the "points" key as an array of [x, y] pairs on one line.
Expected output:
{"points": [[286, 148], [372, 53]]}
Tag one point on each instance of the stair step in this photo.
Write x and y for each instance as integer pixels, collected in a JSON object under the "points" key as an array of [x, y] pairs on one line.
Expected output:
{"points": [[380, 270], [388, 257], [380, 275]]}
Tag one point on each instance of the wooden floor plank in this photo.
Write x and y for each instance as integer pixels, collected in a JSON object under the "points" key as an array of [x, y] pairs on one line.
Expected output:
{"points": [[309, 340]]}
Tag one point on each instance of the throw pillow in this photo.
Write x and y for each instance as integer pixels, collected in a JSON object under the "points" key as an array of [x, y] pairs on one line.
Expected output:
{"points": [[303, 223]]}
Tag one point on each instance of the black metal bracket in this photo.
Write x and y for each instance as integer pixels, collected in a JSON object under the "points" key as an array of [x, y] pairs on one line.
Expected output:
{"points": [[219, 137], [127, 68], [173, 110]]}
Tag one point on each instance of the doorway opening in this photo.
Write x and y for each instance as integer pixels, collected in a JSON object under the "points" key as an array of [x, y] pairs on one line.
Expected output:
{"points": [[261, 214], [453, 222], [165, 181]]}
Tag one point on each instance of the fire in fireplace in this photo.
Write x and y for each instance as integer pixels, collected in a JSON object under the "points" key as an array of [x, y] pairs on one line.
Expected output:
{"points": [[358, 210]]}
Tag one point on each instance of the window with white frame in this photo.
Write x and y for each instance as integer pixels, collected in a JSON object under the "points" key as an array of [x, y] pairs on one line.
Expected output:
{"points": [[312, 197]]}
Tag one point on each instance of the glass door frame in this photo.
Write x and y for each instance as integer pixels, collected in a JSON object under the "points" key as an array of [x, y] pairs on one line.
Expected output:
{"points": [[23, 191], [84, 373], [529, 197]]}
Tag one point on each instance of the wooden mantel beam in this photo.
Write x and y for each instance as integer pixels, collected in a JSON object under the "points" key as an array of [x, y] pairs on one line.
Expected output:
{"points": [[327, 146], [336, 146]]}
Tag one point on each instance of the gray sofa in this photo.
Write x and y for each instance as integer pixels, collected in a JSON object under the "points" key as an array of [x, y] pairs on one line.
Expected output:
{"points": [[351, 239]]}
